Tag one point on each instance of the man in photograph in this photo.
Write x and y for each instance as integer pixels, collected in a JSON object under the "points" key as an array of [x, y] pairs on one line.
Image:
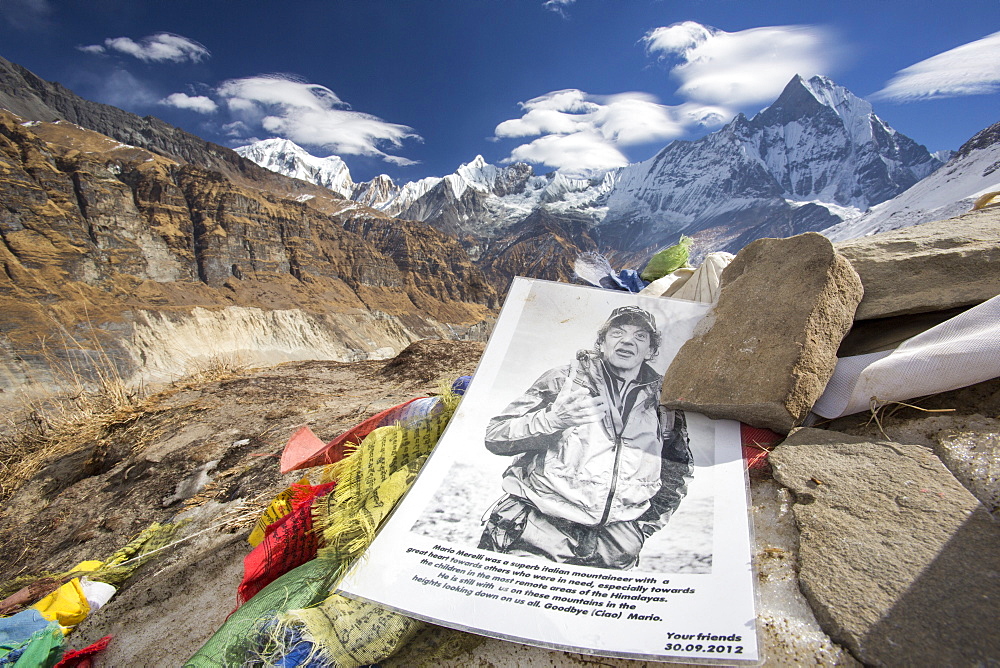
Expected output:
{"points": [[600, 464]]}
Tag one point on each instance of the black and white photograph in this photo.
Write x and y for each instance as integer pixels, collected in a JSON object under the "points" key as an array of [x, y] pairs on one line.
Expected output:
{"points": [[580, 465], [564, 506]]}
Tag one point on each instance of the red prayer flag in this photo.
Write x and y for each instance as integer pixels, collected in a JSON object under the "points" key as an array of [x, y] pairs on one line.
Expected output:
{"points": [[305, 449], [288, 543], [757, 444], [83, 658]]}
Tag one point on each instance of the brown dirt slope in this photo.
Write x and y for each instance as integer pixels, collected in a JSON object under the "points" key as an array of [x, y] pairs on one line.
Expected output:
{"points": [[144, 469]]}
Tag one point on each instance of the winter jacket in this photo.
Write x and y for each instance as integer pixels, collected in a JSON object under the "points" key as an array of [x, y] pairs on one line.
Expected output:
{"points": [[628, 467]]}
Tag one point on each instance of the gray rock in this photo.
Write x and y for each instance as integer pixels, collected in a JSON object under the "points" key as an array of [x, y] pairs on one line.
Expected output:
{"points": [[765, 353], [192, 484], [930, 267], [897, 559]]}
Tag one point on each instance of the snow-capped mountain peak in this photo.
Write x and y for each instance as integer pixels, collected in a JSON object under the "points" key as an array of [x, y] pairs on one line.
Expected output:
{"points": [[816, 156], [855, 113], [377, 193], [477, 174], [822, 142], [288, 158]]}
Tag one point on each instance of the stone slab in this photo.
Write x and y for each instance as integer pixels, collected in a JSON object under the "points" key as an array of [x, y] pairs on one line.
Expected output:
{"points": [[897, 559], [931, 267], [766, 351]]}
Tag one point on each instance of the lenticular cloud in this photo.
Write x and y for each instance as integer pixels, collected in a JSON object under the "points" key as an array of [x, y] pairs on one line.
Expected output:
{"points": [[581, 133], [970, 69], [158, 48], [312, 115], [735, 69]]}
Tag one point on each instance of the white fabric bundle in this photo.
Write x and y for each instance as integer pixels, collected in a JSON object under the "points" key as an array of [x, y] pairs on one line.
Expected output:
{"points": [[959, 352]]}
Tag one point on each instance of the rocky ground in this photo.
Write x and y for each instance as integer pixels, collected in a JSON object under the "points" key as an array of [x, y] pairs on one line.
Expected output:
{"points": [[202, 450], [207, 451], [875, 535], [146, 464]]}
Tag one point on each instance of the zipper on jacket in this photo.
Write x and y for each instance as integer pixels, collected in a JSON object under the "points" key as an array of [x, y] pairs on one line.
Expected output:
{"points": [[614, 481], [619, 431]]}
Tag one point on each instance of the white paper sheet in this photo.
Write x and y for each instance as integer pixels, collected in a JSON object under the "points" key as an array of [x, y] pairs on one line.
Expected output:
{"points": [[691, 595]]}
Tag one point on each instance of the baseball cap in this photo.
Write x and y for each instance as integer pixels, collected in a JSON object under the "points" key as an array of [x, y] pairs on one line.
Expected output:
{"points": [[633, 315]]}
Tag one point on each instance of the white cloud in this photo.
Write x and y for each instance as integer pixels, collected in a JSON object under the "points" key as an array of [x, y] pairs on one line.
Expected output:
{"points": [[158, 48], [581, 154], [736, 69], [557, 6], [558, 112], [970, 69], [719, 73], [312, 115], [199, 103], [582, 133]]}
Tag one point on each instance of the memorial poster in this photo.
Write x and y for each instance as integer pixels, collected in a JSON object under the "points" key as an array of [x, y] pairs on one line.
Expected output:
{"points": [[564, 508]]}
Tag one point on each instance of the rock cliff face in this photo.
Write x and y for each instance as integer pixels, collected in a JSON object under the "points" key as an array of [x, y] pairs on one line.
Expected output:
{"points": [[106, 243], [543, 245]]}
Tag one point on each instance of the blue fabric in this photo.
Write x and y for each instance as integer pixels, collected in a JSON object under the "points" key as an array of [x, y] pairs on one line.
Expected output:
{"points": [[296, 655], [594, 268], [299, 652], [629, 279], [461, 385], [18, 628]]}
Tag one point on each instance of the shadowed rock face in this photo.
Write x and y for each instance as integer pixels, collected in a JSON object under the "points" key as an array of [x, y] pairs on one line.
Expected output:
{"points": [[95, 236], [543, 245], [897, 559]]}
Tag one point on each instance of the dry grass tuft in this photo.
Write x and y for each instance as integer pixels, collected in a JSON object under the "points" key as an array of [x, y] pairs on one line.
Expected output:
{"points": [[218, 367], [48, 428], [85, 412]]}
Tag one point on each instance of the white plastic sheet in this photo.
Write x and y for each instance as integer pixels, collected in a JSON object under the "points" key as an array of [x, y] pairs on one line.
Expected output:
{"points": [[959, 352], [97, 593]]}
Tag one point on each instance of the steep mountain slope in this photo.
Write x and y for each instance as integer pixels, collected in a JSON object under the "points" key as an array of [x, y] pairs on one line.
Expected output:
{"points": [[33, 99], [815, 156], [123, 254], [948, 192], [543, 245]]}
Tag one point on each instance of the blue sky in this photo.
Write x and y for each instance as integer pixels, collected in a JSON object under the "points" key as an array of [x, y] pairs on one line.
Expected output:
{"points": [[414, 88]]}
